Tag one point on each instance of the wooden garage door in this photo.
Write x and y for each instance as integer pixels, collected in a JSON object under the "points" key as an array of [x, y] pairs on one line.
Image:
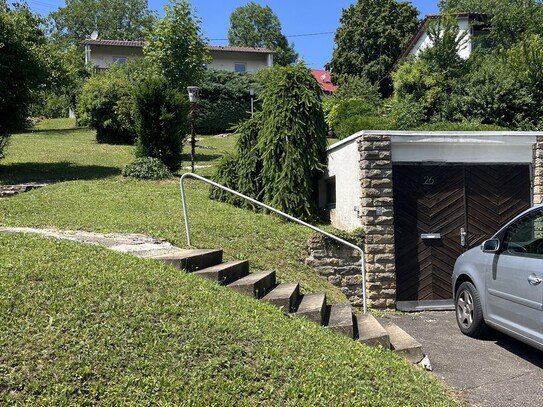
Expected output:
{"points": [[441, 211]]}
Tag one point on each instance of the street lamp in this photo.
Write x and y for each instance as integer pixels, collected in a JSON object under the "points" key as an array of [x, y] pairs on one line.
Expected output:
{"points": [[252, 93], [193, 98]]}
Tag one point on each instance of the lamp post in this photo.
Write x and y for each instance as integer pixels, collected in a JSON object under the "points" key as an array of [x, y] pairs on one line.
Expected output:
{"points": [[193, 98], [252, 93]]}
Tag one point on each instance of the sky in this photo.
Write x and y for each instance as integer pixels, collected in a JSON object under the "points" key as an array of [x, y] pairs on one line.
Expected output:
{"points": [[309, 24]]}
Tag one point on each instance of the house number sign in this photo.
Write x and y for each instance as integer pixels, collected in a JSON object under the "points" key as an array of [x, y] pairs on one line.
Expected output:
{"points": [[429, 180]]}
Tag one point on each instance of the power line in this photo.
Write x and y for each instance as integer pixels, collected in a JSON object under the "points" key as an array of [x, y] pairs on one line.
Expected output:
{"points": [[288, 36]]}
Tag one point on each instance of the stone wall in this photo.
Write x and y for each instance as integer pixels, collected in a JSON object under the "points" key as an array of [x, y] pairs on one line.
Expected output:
{"points": [[338, 264], [377, 214], [537, 166]]}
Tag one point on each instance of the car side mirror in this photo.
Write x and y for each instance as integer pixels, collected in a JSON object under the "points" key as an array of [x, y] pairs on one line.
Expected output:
{"points": [[490, 246]]}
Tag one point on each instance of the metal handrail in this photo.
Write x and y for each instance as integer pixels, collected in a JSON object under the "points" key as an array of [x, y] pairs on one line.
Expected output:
{"points": [[254, 201]]}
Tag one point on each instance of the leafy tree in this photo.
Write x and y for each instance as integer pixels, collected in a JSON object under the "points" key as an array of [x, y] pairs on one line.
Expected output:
{"points": [[23, 69], [113, 19], [175, 46], [371, 37], [257, 26], [509, 21]]}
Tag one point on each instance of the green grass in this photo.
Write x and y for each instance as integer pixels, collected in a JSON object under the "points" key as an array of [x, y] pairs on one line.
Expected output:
{"points": [[81, 325]]}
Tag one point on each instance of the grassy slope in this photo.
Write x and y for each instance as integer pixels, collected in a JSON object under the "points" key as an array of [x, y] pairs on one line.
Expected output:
{"points": [[84, 325], [81, 324]]}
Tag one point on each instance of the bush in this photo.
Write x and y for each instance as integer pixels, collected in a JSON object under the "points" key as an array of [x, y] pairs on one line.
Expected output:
{"points": [[161, 116], [223, 102], [355, 124], [146, 168], [104, 105], [406, 113]]}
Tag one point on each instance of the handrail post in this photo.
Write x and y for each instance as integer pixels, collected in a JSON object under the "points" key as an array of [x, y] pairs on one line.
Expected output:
{"points": [[285, 215]]}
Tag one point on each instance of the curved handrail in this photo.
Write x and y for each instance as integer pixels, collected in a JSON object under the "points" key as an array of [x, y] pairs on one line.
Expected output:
{"points": [[254, 201]]}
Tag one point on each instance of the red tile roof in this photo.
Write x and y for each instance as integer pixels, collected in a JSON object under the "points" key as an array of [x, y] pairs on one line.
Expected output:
{"points": [[140, 44], [324, 80]]}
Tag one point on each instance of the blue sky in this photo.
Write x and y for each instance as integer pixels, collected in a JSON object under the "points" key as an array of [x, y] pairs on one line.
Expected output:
{"points": [[298, 18]]}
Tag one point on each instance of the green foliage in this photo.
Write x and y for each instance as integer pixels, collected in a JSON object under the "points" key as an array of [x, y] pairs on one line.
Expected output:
{"points": [[509, 21], [357, 123], [223, 101], [146, 168], [175, 47], [281, 149], [459, 126], [104, 105], [161, 117], [292, 140], [406, 113], [257, 26], [346, 110], [371, 37], [113, 19], [23, 68], [356, 87]]}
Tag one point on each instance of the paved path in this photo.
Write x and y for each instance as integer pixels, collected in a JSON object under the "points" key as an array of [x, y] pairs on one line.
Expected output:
{"points": [[497, 372]]}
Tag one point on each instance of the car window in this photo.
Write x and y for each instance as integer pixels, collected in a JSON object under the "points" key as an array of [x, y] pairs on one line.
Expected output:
{"points": [[524, 237]]}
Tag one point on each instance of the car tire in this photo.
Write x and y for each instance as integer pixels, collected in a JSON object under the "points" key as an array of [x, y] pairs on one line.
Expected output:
{"points": [[469, 313]]}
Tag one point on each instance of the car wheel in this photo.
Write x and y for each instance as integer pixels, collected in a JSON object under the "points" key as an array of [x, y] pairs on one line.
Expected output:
{"points": [[469, 313]]}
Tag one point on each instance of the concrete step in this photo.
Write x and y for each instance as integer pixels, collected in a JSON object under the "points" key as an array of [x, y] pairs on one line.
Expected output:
{"points": [[340, 319], [284, 296], [225, 273], [191, 260], [371, 332], [312, 307], [255, 284], [404, 344]]}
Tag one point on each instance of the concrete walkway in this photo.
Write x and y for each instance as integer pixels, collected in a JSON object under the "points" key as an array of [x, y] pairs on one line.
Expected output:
{"points": [[496, 372]]}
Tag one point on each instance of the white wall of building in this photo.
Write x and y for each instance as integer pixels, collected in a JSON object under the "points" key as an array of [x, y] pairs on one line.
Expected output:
{"points": [[226, 60], [465, 48], [343, 164], [102, 56]]}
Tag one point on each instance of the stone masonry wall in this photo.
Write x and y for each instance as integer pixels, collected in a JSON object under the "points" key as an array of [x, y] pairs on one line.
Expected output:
{"points": [[537, 166], [338, 264], [377, 214]]}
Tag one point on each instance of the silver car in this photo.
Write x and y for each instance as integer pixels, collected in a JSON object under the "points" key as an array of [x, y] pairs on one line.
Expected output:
{"points": [[499, 284]]}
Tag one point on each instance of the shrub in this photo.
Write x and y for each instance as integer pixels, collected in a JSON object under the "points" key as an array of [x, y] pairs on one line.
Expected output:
{"points": [[161, 116], [146, 168], [355, 124], [406, 113], [224, 101], [104, 104]]}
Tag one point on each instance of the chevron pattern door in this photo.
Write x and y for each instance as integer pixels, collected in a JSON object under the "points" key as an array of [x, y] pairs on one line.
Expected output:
{"points": [[442, 210]]}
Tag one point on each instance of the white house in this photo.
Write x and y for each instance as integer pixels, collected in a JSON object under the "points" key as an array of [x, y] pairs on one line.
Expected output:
{"points": [[102, 53], [471, 32]]}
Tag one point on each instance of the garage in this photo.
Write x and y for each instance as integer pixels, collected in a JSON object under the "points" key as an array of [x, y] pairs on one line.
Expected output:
{"points": [[423, 198]]}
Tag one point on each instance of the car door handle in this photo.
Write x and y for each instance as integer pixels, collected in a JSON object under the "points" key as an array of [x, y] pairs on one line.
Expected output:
{"points": [[533, 279]]}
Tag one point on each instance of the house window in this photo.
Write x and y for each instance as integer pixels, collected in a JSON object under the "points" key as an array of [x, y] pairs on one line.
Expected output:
{"points": [[240, 67], [119, 60], [331, 193]]}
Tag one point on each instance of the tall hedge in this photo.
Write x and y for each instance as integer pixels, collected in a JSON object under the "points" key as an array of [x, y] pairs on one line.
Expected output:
{"points": [[224, 101]]}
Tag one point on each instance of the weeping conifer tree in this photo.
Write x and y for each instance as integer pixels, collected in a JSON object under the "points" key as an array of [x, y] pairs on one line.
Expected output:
{"points": [[281, 150], [292, 139]]}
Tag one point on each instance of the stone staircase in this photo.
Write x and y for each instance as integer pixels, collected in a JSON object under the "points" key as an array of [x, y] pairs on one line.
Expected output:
{"points": [[261, 285], [340, 318]]}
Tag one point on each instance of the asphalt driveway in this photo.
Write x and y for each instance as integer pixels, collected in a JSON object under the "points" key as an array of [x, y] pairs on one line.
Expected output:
{"points": [[498, 371]]}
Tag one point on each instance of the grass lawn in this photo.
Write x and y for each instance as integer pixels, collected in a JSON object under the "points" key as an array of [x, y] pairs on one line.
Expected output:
{"points": [[82, 325]]}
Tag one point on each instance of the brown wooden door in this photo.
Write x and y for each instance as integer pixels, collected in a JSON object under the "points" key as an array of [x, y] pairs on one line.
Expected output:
{"points": [[434, 204]]}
